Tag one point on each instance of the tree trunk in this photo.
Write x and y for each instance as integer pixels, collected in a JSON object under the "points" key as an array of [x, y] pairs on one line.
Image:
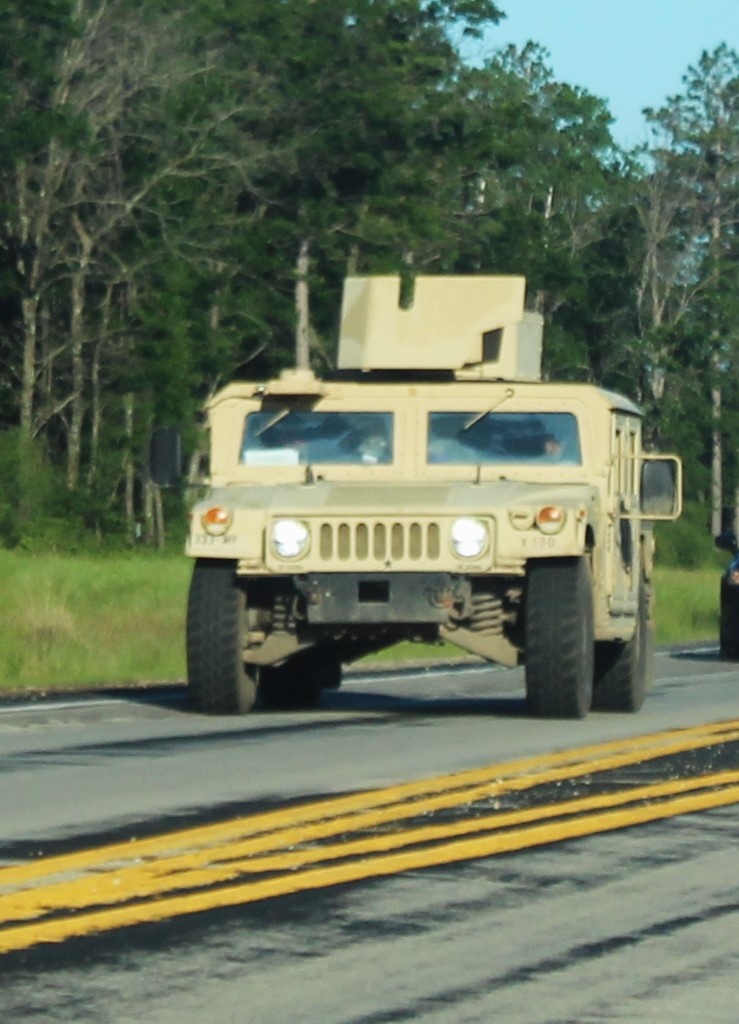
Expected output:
{"points": [[159, 534], [74, 438], [77, 338], [128, 470], [33, 198], [29, 306], [717, 497], [302, 308], [716, 460], [149, 525], [95, 414], [96, 404]]}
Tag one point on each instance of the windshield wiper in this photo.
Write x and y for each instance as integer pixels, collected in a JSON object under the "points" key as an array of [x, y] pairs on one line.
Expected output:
{"points": [[277, 418], [509, 393]]}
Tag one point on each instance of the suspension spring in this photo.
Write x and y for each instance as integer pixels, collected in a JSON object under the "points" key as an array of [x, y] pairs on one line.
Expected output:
{"points": [[487, 613]]}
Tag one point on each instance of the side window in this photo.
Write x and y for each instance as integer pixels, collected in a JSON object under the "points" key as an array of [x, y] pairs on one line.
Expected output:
{"points": [[625, 462], [633, 466]]}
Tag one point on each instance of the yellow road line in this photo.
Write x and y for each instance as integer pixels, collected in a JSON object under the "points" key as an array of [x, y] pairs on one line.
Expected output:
{"points": [[207, 868], [273, 829], [57, 930]]}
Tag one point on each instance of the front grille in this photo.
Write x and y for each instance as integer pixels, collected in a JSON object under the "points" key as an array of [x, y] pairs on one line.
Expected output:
{"points": [[352, 543], [396, 540]]}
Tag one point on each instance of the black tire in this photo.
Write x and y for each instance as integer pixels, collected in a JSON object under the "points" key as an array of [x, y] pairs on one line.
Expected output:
{"points": [[289, 687], [729, 628], [728, 650], [329, 669], [219, 682], [559, 638], [297, 684], [623, 671]]}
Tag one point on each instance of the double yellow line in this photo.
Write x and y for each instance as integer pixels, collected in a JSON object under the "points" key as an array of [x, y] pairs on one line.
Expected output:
{"points": [[334, 841]]}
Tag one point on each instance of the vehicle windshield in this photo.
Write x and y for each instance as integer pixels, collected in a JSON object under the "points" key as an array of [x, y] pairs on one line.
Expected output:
{"points": [[288, 437], [484, 439]]}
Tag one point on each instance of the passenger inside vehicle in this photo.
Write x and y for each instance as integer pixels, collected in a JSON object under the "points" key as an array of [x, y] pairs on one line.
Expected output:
{"points": [[489, 438]]}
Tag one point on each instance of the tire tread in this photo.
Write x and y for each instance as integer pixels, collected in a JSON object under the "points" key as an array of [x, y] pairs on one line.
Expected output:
{"points": [[218, 681], [559, 638]]}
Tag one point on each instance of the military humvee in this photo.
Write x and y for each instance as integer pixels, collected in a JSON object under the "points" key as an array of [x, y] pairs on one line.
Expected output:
{"points": [[434, 488]]}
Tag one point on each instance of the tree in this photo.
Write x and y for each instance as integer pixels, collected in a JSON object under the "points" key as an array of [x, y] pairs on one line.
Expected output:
{"points": [[184, 187], [538, 193], [689, 205], [363, 89]]}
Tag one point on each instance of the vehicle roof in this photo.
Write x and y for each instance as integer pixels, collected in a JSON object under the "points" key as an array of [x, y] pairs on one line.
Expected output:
{"points": [[314, 390]]}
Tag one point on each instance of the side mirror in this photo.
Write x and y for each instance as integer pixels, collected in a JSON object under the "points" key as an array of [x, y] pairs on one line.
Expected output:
{"points": [[661, 487], [726, 541], [165, 457]]}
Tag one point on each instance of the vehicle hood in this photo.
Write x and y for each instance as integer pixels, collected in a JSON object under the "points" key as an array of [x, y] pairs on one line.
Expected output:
{"points": [[325, 497]]}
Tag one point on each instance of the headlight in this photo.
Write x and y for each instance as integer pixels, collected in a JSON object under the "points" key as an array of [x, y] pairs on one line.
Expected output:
{"points": [[290, 538], [469, 537]]}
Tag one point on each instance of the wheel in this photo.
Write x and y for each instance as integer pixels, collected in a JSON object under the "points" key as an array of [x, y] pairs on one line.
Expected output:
{"points": [[289, 687], [218, 680], [729, 628], [329, 670], [728, 648], [623, 671], [298, 683], [559, 638]]}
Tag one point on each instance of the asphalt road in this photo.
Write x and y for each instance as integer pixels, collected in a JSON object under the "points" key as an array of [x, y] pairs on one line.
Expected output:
{"points": [[416, 849]]}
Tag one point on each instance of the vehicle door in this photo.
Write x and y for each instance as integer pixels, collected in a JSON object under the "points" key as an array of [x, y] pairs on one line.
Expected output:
{"points": [[623, 521]]}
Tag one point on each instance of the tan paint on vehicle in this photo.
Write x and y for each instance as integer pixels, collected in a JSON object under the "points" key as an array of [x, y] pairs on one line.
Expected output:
{"points": [[460, 347]]}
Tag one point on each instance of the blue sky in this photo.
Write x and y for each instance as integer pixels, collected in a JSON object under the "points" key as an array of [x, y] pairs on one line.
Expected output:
{"points": [[631, 53]]}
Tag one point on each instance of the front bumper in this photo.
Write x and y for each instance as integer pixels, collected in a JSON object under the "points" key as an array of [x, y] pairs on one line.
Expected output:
{"points": [[382, 598]]}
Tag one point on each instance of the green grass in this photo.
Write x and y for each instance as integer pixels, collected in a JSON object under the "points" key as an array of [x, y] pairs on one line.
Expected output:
{"points": [[80, 620], [686, 604], [74, 620]]}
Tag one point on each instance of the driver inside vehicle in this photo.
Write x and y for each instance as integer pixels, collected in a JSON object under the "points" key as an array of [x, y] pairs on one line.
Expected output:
{"points": [[552, 447], [371, 446]]}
